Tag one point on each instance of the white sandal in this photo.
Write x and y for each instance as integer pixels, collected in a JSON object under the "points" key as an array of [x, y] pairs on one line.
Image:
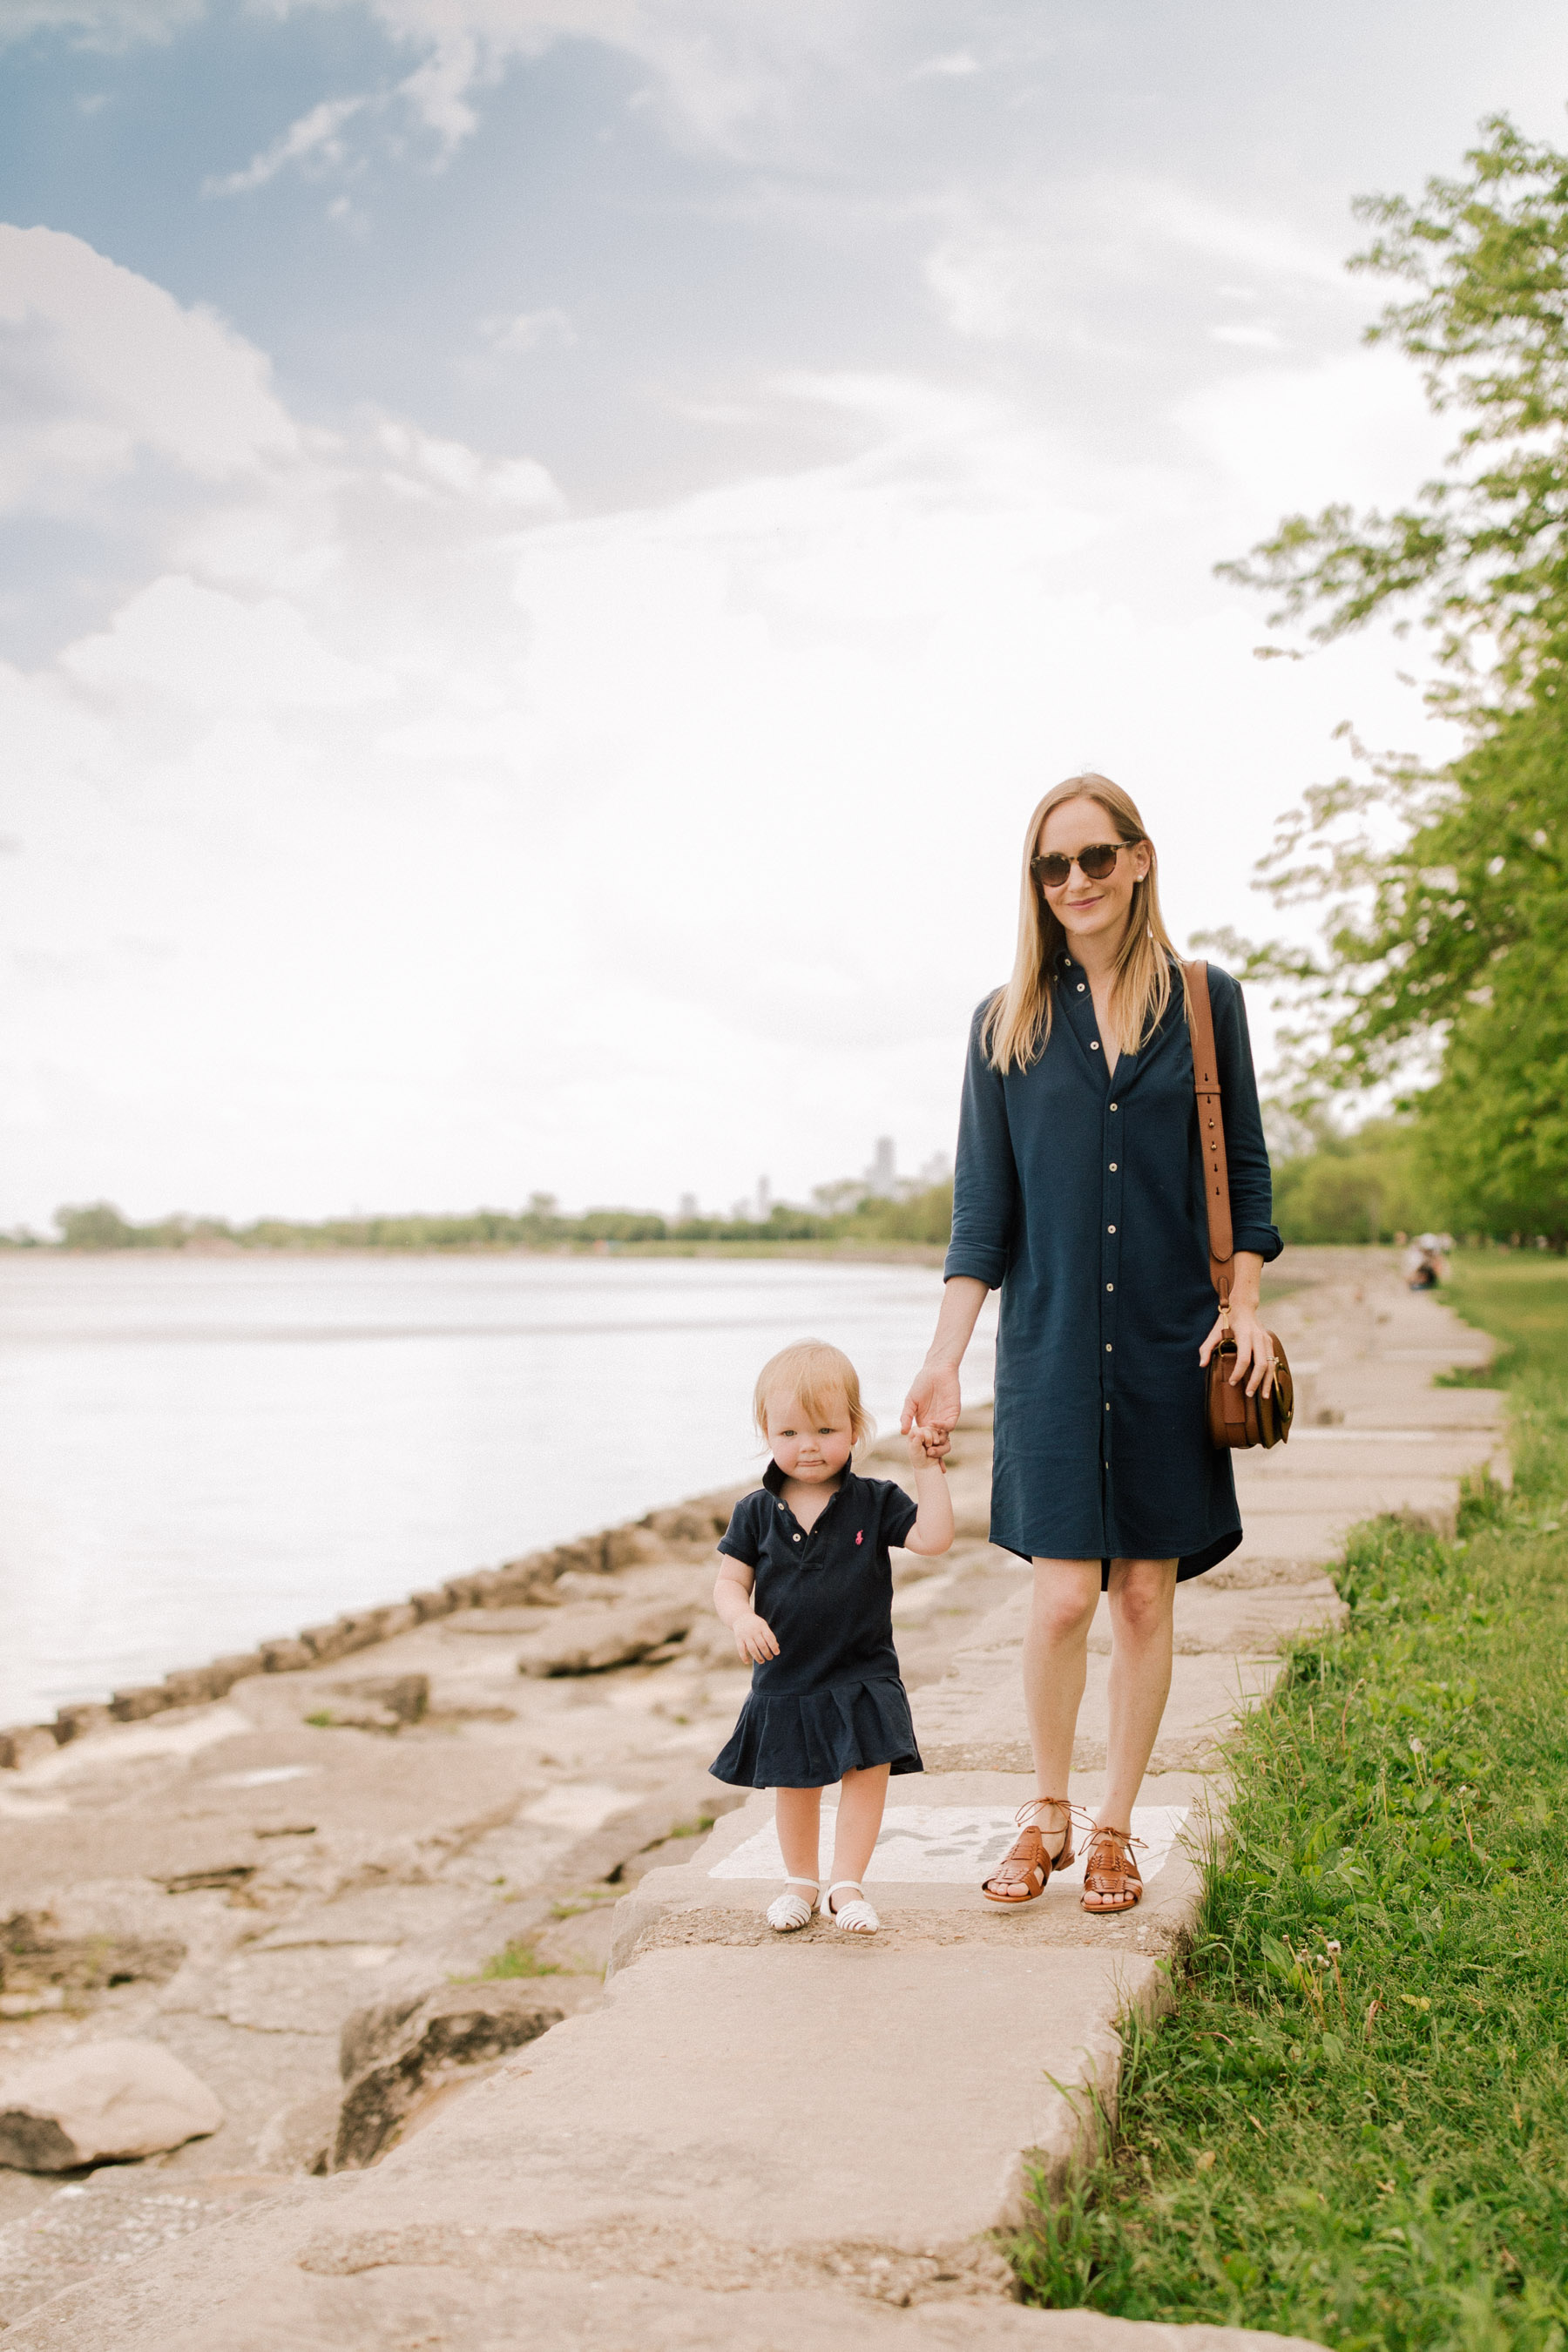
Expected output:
{"points": [[856, 1918], [787, 1911]]}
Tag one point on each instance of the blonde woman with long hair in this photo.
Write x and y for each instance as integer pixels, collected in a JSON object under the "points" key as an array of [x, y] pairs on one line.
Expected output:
{"points": [[1080, 1190]]}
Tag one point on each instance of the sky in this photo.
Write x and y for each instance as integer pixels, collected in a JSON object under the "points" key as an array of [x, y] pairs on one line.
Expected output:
{"points": [[548, 547]]}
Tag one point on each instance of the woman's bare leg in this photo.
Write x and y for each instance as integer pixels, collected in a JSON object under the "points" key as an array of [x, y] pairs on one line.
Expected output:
{"points": [[797, 1814], [1056, 1662], [1142, 1599], [861, 1798]]}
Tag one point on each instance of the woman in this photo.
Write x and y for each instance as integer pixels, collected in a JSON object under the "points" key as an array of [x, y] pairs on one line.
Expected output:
{"points": [[1079, 1189]]}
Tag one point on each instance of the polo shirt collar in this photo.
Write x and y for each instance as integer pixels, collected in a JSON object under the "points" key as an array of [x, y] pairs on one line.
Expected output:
{"points": [[774, 1478]]}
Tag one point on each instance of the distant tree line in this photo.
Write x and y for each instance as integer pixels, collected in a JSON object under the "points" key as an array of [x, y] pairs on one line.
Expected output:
{"points": [[923, 1217], [1369, 1186]]}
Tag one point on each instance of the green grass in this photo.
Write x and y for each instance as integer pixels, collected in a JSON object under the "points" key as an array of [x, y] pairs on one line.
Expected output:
{"points": [[517, 1959], [1354, 2124]]}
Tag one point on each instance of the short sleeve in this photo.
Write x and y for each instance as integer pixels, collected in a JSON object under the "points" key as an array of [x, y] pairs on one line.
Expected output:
{"points": [[742, 1538], [898, 1513]]}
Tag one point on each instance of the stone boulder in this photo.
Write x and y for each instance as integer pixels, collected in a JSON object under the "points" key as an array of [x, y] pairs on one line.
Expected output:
{"points": [[102, 2100], [591, 1638], [394, 2053], [24, 1744], [381, 1702]]}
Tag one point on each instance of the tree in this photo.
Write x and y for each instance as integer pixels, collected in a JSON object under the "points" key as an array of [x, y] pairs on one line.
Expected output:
{"points": [[98, 1225], [1447, 954]]}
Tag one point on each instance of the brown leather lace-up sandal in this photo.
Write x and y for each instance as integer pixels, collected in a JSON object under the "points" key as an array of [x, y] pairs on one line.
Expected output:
{"points": [[1110, 1876], [1021, 1875]]}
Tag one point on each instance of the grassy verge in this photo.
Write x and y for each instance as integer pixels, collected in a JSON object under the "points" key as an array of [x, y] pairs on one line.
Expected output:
{"points": [[1354, 2126]]}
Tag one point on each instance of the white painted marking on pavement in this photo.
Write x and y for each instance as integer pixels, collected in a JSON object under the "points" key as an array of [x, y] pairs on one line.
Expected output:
{"points": [[949, 1846]]}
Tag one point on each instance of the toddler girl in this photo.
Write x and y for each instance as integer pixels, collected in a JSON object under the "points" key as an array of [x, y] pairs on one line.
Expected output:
{"points": [[809, 1548]]}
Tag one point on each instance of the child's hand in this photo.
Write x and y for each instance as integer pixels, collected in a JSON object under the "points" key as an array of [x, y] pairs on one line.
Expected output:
{"points": [[927, 1447], [754, 1638]]}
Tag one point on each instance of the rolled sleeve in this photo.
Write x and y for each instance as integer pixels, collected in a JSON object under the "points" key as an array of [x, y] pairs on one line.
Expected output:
{"points": [[1247, 1154], [985, 1175]]}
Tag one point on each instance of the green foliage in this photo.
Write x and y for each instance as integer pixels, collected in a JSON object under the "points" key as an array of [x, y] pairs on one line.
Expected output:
{"points": [[1354, 2126], [97, 1226], [1487, 543], [1364, 1187], [1447, 945]]}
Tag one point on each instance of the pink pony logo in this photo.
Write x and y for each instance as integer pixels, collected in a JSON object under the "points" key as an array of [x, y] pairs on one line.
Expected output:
{"points": [[858, 1533]]}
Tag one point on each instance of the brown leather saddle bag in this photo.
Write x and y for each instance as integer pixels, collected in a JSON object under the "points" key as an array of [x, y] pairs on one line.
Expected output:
{"points": [[1234, 1417]]}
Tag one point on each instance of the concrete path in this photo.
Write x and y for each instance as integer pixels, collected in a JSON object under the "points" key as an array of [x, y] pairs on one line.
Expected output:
{"points": [[761, 2142]]}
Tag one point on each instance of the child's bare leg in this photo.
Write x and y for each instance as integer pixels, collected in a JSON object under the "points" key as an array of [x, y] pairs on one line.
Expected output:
{"points": [[861, 1798], [798, 1815]]}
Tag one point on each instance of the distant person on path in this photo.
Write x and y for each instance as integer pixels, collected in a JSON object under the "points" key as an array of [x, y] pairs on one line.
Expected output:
{"points": [[1424, 1263], [1079, 1189], [807, 1589]]}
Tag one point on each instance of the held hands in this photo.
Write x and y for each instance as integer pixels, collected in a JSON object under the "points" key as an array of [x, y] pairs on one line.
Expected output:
{"points": [[931, 1410], [754, 1638], [927, 1447], [1254, 1349]]}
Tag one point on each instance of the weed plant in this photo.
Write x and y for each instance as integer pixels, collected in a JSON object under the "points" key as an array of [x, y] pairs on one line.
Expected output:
{"points": [[1353, 2126]]}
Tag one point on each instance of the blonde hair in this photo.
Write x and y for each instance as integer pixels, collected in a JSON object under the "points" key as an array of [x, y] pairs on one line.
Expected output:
{"points": [[1017, 1025], [817, 1375]]}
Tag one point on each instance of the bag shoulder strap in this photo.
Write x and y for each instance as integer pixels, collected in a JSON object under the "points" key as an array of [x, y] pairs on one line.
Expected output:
{"points": [[1211, 1127]]}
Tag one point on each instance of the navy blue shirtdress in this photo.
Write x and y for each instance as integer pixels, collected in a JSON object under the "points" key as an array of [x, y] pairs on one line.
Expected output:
{"points": [[1083, 1199], [832, 1701]]}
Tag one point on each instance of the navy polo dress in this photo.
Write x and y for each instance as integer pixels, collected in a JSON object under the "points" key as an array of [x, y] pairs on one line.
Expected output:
{"points": [[1083, 1199], [832, 1701]]}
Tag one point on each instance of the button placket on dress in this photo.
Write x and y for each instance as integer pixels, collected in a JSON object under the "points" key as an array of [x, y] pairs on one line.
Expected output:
{"points": [[1112, 1161], [1112, 1158]]}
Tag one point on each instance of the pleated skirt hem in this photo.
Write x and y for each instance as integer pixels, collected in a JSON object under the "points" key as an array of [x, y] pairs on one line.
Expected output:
{"points": [[811, 1740]]}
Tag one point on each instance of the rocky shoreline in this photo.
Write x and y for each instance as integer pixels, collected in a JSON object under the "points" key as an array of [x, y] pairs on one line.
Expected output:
{"points": [[528, 1578], [339, 1877]]}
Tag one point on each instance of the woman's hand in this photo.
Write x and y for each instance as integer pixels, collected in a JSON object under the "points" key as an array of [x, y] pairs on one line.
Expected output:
{"points": [[1253, 1350], [933, 1402], [932, 1405], [754, 1638]]}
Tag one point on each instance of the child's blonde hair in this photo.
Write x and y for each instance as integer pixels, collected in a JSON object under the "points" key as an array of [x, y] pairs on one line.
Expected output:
{"points": [[817, 1375]]}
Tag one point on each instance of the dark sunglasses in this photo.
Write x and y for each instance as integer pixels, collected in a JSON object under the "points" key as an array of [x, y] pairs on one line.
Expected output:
{"points": [[1094, 863]]}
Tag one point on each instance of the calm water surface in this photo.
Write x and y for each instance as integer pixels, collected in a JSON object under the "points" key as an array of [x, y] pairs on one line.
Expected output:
{"points": [[198, 1453]]}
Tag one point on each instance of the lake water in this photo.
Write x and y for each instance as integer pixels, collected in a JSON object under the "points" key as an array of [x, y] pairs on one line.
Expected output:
{"points": [[196, 1454]]}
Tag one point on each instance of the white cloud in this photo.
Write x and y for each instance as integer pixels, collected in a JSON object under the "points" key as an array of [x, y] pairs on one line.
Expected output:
{"points": [[715, 71], [1355, 428], [440, 89], [1272, 248], [402, 837], [954, 65], [1041, 266], [103, 369], [99, 24], [529, 330], [211, 652], [1247, 339], [314, 139]]}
